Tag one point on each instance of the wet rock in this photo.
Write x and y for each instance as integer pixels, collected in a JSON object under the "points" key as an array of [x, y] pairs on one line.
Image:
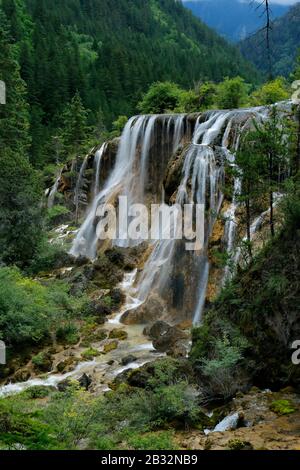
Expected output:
{"points": [[149, 312], [178, 350], [85, 381], [21, 376], [67, 365], [100, 310], [168, 339], [128, 360], [156, 330], [81, 261], [121, 335]]}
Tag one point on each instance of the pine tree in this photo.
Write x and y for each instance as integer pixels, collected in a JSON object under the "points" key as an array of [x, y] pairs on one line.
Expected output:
{"points": [[74, 130], [19, 189]]}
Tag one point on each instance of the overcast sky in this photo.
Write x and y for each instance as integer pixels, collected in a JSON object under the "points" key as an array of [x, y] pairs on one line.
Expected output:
{"points": [[281, 2]]}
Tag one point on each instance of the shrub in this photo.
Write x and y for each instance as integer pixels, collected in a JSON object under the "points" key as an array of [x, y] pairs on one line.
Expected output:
{"points": [[270, 93], [282, 407], [56, 214], [232, 93], [68, 334], [161, 97]]}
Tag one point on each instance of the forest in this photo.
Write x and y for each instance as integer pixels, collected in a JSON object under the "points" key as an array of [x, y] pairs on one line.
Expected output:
{"points": [[118, 345]]}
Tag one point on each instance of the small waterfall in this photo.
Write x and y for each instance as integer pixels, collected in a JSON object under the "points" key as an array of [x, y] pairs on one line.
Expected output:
{"points": [[53, 192], [78, 186], [97, 166]]}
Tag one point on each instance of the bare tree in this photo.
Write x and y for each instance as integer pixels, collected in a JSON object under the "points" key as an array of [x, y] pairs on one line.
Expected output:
{"points": [[265, 5]]}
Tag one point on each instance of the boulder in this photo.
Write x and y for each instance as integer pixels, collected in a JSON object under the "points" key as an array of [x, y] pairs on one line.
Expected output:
{"points": [[85, 381], [128, 360], [149, 312], [121, 335], [167, 339], [68, 365], [110, 346]]}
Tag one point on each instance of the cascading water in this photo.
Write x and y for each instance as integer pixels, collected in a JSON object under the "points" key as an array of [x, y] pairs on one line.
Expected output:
{"points": [[53, 192], [97, 167], [130, 173], [201, 183]]}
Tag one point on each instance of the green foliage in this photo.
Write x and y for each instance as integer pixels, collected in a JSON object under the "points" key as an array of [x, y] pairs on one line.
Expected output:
{"points": [[119, 125], [152, 441], [271, 93], [55, 213], [68, 334], [61, 50], [90, 354], [232, 93], [30, 311], [47, 256], [245, 331], [282, 407], [74, 132], [218, 355], [20, 218], [38, 392], [161, 98], [19, 429]]}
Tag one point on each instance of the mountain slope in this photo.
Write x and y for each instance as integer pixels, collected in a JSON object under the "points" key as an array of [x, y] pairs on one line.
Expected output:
{"points": [[111, 51], [285, 41], [233, 19]]}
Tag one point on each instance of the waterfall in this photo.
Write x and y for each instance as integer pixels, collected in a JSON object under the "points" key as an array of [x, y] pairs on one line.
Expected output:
{"points": [[51, 197], [130, 173], [97, 166], [79, 185], [146, 146]]}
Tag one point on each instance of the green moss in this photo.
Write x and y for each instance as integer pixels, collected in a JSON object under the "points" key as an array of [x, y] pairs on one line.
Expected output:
{"points": [[90, 354], [118, 334], [237, 444], [282, 407]]}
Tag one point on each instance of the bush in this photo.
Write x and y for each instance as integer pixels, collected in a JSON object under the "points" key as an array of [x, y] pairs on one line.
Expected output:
{"points": [[162, 97], [68, 334], [270, 93], [232, 93], [56, 215], [31, 312], [47, 257]]}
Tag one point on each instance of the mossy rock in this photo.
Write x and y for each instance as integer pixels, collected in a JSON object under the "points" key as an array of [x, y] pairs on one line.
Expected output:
{"points": [[111, 346], [42, 362], [121, 335], [282, 407], [90, 354], [237, 444], [67, 365]]}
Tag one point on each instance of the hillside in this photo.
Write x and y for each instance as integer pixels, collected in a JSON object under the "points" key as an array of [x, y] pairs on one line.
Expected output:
{"points": [[111, 51], [232, 19], [285, 42]]}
